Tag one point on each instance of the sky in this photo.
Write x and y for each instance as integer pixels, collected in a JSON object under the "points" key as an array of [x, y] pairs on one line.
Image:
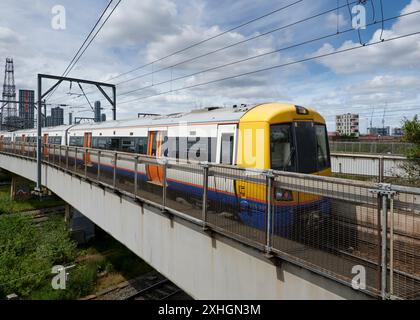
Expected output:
{"points": [[378, 81]]}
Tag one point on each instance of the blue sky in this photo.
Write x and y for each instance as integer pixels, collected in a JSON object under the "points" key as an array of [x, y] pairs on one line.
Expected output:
{"points": [[364, 81]]}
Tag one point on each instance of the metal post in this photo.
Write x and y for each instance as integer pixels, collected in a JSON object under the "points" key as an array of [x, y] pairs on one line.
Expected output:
{"points": [[38, 140], [59, 155], [205, 193], [75, 159], [114, 179], [384, 246], [391, 247], [165, 168], [54, 154], [136, 165], [99, 165], [67, 157], [270, 179], [86, 155], [381, 169], [114, 107]]}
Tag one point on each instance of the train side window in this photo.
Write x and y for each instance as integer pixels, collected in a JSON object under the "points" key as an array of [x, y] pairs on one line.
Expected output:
{"points": [[141, 145], [76, 141], [115, 144], [128, 144], [226, 154]]}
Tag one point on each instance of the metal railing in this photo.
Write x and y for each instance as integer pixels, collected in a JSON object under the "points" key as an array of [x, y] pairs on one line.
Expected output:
{"points": [[360, 233], [370, 147], [376, 168]]}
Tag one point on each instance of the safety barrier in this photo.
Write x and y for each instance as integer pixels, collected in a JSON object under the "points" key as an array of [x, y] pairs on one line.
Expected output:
{"points": [[360, 233]]}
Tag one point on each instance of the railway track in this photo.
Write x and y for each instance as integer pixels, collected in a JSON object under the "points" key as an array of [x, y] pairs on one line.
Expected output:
{"points": [[152, 286]]}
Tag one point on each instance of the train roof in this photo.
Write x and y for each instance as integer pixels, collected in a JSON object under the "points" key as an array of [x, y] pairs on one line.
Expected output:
{"points": [[206, 115], [268, 112]]}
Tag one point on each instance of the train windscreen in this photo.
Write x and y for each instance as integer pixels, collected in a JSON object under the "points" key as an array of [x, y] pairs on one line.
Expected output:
{"points": [[299, 147], [282, 147]]}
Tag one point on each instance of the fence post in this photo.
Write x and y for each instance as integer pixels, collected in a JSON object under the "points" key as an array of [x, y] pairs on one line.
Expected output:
{"points": [[99, 166], [381, 169], [384, 193], [136, 167], [75, 159], [165, 168], [384, 266], [86, 156], [205, 193], [67, 157], [269, 210], [114, 178], [59, 155], [391, 247]]}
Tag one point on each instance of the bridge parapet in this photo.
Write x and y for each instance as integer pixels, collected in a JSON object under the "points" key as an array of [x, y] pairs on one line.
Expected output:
{"points": [[357, 233]]}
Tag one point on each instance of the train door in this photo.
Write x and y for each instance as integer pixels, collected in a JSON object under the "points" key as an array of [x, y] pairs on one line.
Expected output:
{"points": [[45, 142], [155, 149], [226, 144], [87, 143]]}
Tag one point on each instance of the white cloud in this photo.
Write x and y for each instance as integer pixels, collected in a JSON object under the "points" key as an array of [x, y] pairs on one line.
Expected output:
{"points": [[135, 22], [398, 53]]}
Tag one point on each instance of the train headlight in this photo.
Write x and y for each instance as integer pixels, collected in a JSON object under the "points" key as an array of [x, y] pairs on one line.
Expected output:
{"points": [[283, 195]]}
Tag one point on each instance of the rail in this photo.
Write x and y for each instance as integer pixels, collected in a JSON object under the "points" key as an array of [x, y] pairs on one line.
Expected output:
{"points": [[359, 233]]}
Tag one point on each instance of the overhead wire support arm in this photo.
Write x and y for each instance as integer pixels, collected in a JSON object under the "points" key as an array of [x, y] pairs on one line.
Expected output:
{"points": [[80, 86], [41, 95]]}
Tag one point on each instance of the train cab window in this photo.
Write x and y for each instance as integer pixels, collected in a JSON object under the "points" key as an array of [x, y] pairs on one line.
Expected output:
{"points": [[226, 152], [281, 147], [323, 159]]}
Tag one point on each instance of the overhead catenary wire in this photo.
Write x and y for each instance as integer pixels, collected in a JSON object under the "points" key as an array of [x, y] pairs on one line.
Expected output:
{"points": [[208, 39], [252, 57], [236, 43], [81, 51], [260, 55], [277, 66], [204, 41]]}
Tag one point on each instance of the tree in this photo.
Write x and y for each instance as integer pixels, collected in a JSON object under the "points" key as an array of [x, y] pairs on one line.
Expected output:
{"points": [[411, 130]]}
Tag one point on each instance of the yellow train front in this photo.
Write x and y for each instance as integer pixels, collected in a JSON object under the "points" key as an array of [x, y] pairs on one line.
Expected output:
{"points": [[282, 137]]}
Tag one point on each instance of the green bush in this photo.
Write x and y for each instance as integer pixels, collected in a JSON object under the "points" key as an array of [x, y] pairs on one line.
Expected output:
{"points": [[28, 253]]}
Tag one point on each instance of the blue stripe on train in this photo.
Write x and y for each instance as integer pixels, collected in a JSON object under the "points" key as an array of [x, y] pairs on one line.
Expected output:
{"points": [[251, 213]]}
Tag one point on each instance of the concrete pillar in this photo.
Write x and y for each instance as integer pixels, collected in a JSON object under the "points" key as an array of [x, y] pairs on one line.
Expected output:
{"points": [[19, 188], [81, 228]]}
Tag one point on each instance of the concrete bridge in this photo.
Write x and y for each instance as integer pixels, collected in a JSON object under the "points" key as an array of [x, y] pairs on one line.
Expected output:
{"points": [[207, 263]]}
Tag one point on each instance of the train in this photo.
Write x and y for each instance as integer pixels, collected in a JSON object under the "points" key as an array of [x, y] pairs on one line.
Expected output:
{"points": [[277, 136]]}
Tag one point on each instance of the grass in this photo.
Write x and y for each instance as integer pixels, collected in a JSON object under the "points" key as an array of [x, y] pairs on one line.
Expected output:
{"points": [[98, 265], [9, 206]]}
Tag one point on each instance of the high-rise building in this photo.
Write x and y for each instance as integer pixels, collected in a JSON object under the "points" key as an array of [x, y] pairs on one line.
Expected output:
{"points": [[57, 115], [97, 111], [347, 124], [48, 121], [26, 108]]}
